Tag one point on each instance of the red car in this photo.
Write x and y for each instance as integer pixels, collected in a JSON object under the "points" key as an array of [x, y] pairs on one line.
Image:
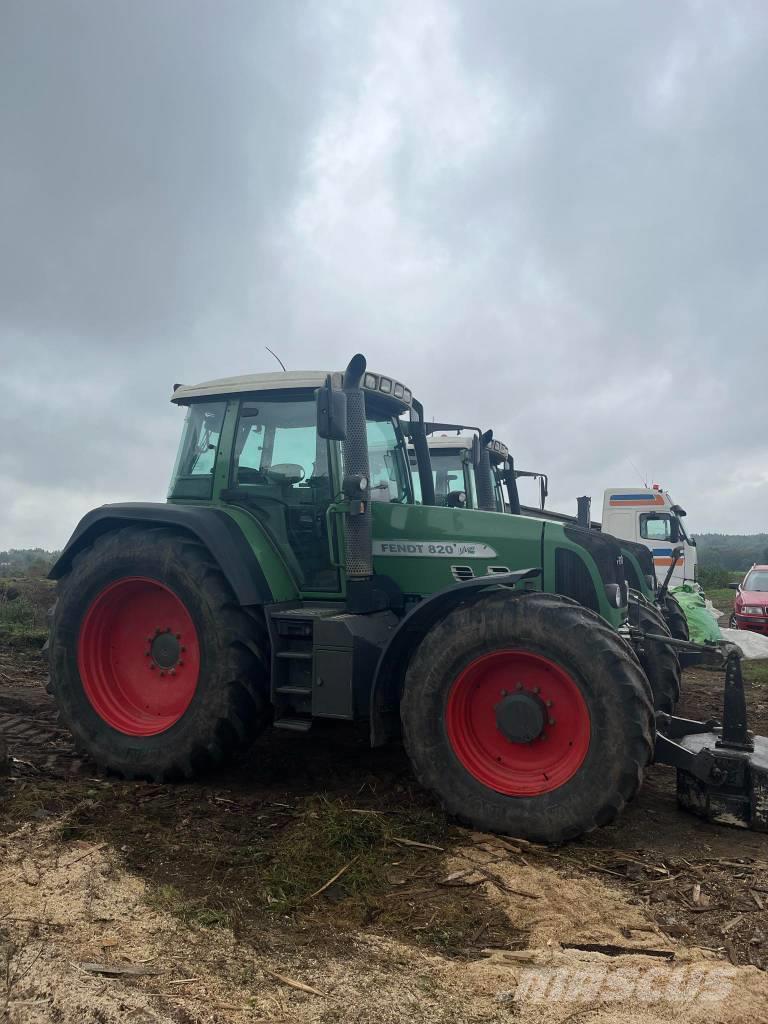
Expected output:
{"points": [[750, 609]]}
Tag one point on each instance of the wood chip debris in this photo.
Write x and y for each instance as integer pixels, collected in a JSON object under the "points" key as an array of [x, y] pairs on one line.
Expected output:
{"points": [[421, 846], [293, 983], [130, 970], [609, 949], [331, 881], [469, 876]]}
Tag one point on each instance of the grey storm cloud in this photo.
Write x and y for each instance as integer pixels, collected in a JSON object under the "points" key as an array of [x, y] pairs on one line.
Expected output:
{"points": [[546, 218]]}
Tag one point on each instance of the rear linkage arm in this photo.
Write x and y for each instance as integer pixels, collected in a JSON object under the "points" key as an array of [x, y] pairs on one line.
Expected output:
{"points": [[722, 771]]}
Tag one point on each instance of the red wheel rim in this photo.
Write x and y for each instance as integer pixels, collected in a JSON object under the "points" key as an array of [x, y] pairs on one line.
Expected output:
{"points": [[509, 767], [138, 656]]}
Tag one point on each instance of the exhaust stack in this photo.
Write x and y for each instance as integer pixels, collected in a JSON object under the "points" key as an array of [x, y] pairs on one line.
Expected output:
{"points": [[584, 513], [358, 551]]}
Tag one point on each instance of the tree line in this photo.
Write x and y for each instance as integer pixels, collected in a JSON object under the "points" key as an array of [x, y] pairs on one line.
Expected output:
{"points": [[26, 562], [735, 552]]}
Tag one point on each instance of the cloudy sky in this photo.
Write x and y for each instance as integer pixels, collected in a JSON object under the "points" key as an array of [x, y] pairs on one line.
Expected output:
{"points": [[549, 218]]}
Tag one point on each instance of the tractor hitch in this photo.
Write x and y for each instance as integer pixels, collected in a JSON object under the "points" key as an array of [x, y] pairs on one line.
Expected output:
{"points": [[722, 770]]}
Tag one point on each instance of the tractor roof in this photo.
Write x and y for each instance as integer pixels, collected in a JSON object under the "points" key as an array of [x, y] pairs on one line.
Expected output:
{"points": [[279, 381], [443, 441], [386, 388], [498, 451]]}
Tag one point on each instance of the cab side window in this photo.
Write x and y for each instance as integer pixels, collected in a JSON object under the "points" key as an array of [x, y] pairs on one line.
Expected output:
{"points": [[656, 527]]}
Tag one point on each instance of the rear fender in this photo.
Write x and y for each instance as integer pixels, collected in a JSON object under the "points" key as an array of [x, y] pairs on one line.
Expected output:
{"points": [[211, 526], [393, 661]]}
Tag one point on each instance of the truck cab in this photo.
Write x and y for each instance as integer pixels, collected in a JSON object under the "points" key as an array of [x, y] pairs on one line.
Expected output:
{"points": [[649, 516]]}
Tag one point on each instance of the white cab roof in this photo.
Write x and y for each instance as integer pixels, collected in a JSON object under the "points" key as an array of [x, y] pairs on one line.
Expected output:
{"points": [[279, 381], [456, 441]]}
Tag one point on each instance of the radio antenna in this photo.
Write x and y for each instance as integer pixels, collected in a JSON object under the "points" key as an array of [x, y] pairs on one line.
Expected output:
{"points": [[644, 479], [277, 357]]}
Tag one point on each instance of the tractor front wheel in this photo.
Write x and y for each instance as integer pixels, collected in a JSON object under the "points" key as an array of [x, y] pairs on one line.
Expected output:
{"points": [[528, 715], [674, 616], [155, 669], [659, 660]]}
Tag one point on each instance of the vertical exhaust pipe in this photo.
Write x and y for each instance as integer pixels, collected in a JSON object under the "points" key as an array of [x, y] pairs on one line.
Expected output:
{"points": [[584, 511], [486, 499], [358, 550]]}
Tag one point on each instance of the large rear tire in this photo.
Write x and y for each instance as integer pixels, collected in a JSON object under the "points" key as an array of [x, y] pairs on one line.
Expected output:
{"points": [[674, 616], [659, 661], [554, 676], [156, 670]]}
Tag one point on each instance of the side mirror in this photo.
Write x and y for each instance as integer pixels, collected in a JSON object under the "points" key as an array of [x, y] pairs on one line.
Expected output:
{"points": [[674, 529], [734, 586], [475, 450], [331, 412]]}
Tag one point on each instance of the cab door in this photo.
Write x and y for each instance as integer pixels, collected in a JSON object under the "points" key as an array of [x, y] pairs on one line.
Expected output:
{"points": [[283, 471]]}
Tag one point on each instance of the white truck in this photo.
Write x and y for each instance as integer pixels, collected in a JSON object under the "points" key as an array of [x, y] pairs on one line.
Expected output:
{"points": [[647, 515]]}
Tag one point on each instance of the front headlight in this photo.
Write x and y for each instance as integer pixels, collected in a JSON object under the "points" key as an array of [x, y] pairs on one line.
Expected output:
{"points": [[750, 609]]}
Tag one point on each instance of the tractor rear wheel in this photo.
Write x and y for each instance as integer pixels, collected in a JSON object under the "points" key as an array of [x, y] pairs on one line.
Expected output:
{"points": [[674, 616], [659, 661], [155, 669], [528, 715]]}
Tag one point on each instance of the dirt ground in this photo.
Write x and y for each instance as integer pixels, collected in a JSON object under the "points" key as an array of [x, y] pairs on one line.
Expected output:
{"points": [[210, 902]]}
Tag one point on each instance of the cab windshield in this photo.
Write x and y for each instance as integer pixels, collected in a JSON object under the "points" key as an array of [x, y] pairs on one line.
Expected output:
{"points": [[193, 473], [450, 478], [390, 472]]}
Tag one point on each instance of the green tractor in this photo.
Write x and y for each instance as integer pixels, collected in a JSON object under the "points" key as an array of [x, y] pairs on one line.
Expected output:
{"points": [[472, 469], [291, 576]]}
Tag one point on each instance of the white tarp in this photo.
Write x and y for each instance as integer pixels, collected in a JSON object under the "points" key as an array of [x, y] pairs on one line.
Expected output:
{"points": [[753, 645]]}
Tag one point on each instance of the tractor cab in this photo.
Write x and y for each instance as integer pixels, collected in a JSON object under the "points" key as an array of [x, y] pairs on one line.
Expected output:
{"points": [[253, 442], [469, 467]]}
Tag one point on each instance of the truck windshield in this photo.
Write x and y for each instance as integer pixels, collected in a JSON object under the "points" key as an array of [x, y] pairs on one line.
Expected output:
{"points": [[390, 473]]}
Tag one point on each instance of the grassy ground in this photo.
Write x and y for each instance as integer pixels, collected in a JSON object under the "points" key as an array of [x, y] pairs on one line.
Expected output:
{"points": [[722, 597], [24, 604]]}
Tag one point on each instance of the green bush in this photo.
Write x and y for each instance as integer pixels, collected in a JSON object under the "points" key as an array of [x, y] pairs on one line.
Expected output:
{"points": [[714, 578], [20, 614]]}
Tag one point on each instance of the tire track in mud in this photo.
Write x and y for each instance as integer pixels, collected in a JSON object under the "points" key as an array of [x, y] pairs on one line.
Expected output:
{"points": [[29, 728]]}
